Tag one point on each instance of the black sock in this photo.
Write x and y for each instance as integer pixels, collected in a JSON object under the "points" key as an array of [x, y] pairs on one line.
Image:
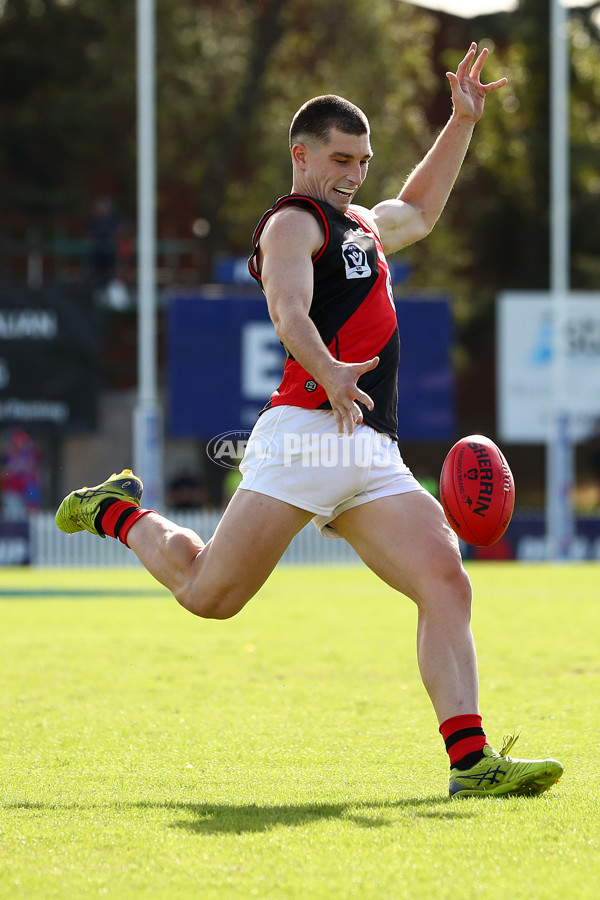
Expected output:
{"points": [[469, 760], [99, 515]]}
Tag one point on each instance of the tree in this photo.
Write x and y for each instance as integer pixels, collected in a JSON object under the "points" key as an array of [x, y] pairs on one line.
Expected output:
{"points": [[500, 207], [230, 74], [66, 99], [585, 147], [246, 68]]}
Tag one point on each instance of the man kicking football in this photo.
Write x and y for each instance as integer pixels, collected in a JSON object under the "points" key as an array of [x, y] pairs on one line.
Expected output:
{"points": [[321, 261]]}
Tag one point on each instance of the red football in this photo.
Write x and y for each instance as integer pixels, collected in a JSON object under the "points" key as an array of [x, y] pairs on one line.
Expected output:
{"points": [[477, 490]]}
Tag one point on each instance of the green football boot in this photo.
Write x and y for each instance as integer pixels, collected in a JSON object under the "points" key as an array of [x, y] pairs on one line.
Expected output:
{"points": [[79, 509], [497, 773]]}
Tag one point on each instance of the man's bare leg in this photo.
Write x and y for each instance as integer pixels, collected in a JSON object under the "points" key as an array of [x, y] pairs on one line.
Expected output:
{"points": [[216, 579], [406, 540]]}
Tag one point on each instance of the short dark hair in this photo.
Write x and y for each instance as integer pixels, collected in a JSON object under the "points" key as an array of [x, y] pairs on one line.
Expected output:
{"points": [[318, 116]]}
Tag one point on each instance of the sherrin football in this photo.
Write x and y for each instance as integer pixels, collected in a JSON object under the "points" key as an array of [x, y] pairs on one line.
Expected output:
{"points": [[477, 490]]}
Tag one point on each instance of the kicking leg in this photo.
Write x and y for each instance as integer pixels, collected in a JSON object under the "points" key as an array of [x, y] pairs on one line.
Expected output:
{"points": [[213, 579], [216, 579]]}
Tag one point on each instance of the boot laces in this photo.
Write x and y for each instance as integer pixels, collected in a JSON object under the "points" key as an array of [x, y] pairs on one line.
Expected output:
{"points": [[508, 742]]}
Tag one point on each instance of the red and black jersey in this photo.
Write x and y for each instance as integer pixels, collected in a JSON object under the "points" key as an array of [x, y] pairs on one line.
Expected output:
{"points": [[353, 310]]}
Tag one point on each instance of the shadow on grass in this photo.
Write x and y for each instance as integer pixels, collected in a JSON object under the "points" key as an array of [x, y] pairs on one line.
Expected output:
{"points": [[228, 818], [231, 818]]}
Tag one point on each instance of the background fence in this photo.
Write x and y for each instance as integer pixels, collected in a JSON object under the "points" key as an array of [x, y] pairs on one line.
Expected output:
{"points": [[38, 542], [50, 547]]}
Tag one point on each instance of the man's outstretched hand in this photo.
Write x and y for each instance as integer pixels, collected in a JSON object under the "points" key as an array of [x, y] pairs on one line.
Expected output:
{"points": [[468, 93]]}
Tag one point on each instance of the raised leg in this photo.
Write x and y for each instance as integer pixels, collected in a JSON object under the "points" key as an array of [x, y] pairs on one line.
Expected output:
{"points": [[217, 578]]}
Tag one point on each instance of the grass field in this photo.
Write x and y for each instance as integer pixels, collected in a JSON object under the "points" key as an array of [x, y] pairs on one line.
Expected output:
{"points": [[290, 752]]}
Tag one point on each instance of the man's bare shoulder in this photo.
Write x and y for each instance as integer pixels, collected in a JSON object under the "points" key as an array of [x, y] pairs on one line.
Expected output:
{"points": [[366, 214], [397, 223], [295, 223]]}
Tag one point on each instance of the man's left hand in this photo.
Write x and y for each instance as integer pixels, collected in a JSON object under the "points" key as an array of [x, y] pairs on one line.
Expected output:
{"points": [[468, 93]]}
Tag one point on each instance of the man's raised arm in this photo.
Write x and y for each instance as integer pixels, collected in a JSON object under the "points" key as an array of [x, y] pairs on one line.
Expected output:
{"points": [[412, 215]]}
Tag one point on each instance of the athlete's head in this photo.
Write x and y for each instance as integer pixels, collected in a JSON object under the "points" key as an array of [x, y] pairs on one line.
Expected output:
{"points": [[315, 119], [331, 149]]}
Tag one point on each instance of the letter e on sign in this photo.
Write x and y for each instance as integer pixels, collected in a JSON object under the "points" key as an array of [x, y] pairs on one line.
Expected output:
{"points": [[262, 361]]}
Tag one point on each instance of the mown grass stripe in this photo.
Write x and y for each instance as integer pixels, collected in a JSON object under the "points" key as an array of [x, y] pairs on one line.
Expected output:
{"points": [[81, 592]]}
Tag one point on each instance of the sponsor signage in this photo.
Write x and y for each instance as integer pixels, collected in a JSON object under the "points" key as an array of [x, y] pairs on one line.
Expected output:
{"points": [[525, 359], [224, 360], [234, 270], [48, 360], [525, 540]]}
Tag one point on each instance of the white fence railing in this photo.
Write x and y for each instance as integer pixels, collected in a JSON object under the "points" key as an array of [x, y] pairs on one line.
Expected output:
{"points": [[50, 547]]}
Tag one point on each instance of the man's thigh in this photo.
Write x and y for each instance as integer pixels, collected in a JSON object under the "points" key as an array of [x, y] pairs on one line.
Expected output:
{"points": [[404, 538], [249, 541]]}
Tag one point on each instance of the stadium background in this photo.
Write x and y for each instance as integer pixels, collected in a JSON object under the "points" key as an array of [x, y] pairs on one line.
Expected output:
{"points": [[229, 76], [291, 751]]}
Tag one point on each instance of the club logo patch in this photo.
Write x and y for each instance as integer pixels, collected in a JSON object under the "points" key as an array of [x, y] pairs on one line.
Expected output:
{"points": [[355, 261]]}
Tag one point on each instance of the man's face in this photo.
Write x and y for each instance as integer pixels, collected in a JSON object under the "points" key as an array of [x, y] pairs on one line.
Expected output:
{"points": [[334, 171]]}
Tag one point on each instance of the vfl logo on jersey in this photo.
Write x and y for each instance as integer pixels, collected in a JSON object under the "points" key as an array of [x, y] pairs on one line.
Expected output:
{"points": [[355, 261]]}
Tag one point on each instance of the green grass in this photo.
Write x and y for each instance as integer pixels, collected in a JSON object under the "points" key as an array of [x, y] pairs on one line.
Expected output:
{"points": [[290, 752]]}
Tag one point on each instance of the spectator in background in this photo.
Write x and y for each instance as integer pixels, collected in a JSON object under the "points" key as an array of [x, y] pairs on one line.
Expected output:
{"points": [[21, 477]]}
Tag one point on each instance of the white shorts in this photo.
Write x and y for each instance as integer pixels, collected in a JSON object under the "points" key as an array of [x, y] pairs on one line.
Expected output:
{"points": [[297, 456]]}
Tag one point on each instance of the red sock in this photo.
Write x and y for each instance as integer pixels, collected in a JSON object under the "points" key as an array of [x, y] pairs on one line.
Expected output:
{"points": [[118, 518], [463, 736]]}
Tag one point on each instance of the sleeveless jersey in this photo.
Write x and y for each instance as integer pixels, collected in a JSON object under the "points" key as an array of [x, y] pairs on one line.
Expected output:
{"points": [[353, 310]]}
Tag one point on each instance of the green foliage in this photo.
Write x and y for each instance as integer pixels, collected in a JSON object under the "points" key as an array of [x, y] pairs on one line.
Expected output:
{"points": [[231, 73], [585, 147], [500, 207], [66, 94], [290, 752], [305, 53]]}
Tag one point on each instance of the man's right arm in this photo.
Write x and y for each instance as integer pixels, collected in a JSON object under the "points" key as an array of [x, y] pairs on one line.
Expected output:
{"points": [[289, 241]]}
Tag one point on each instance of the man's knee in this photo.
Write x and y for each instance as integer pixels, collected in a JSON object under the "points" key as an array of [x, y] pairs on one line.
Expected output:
{"points": [[462, 584], [450, 568], [211, 604], [446, 582]]}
